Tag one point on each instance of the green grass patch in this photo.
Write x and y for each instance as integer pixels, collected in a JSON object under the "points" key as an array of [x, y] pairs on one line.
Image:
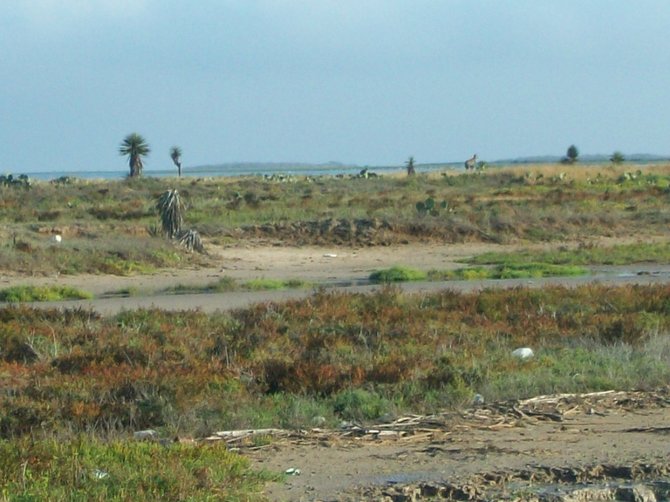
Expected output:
{"points": [[507, 271], [273, 284], [398, 274], [227, 284], [624, 254], [17, 294], [87, 469]]}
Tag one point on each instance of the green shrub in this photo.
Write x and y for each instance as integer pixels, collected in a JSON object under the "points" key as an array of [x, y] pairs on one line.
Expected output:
{"points": [[360, 404], [17, 294], [398, 274]]}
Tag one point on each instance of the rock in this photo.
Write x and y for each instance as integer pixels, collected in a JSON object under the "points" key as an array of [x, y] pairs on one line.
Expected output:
{"points": [[523, 353]]}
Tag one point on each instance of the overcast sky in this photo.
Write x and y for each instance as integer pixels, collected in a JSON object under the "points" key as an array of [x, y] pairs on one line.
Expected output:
{"points": [[359, 81]]}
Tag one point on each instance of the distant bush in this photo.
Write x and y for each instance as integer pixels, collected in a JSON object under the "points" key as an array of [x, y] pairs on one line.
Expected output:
{"points": [[571, 155], [617, 158], [8, 180]]}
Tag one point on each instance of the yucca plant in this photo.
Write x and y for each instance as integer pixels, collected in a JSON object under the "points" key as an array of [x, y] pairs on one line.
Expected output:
{"points": [[171, 210], [175, 155], [191, 240]]}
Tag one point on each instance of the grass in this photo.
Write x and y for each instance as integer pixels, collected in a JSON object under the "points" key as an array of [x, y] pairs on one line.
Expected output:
{"points": [[227, 284], [85, 469], [122, 255], [17, 294], [624, 254], [263, 284], [508, 271], [110, 226], [505, 271], [398, 274]]}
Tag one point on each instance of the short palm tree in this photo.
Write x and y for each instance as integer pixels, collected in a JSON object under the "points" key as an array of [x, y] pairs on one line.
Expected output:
{"points": [[135, 147], [175, 155]]}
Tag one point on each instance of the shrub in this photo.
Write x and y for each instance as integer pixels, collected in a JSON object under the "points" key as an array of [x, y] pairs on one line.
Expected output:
{"points": [[398, 274], [17, 294], [360, 404]]}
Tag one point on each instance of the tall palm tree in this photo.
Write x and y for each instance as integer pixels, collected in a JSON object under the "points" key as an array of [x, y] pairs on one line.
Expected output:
{"points": [[135, 147], [175, 154]]}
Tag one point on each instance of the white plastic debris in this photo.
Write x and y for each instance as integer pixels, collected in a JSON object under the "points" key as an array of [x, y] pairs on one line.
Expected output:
{"points": [[100, 474], [523, 353], [330, 255], [148, 434], [56, 238], [292, 471], [478, 400]]}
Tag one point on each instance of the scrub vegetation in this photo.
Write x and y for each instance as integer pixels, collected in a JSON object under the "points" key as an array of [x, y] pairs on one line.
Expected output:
{"points": [[333, 355], [624, 254], [74, 385], [114, 226]]}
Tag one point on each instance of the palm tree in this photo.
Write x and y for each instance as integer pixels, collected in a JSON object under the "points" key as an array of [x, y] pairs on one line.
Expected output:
{"points": [[135, 147], [175, 154]]}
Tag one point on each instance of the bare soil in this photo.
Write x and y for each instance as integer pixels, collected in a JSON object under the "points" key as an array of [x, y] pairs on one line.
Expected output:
{"points": [[548, 448], [317, 264]]}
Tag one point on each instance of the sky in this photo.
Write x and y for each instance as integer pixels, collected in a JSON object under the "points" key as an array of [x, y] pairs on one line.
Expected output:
{"points": [[368, 82]]}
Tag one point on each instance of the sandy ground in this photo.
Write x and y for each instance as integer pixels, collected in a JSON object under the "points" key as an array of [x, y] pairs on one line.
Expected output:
{"points": [[275, 262], [467, 453]]}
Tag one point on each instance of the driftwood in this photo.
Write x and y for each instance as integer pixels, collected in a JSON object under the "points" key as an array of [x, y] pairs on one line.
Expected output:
{"points": [[492, 416]]}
